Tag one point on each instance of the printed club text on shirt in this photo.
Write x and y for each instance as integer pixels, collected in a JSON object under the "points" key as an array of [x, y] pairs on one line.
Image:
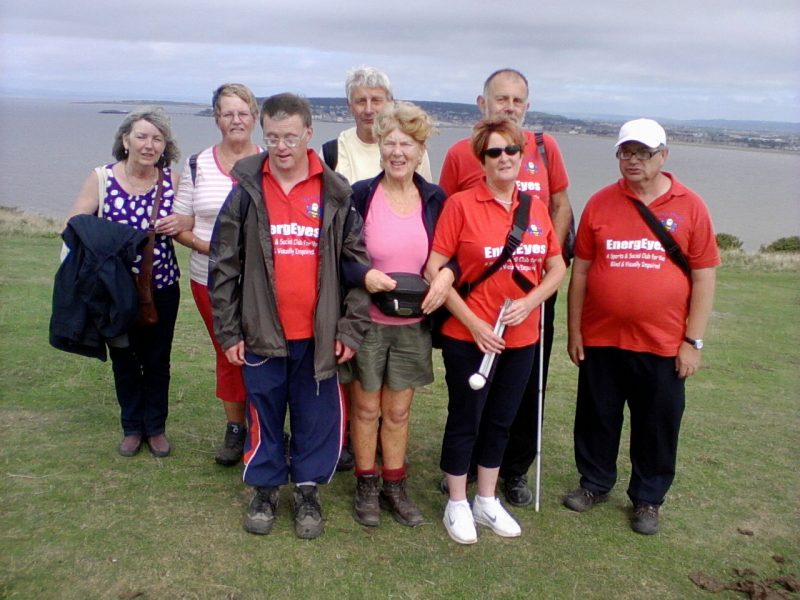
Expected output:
{"points": [[522, 250], [294, 239]]}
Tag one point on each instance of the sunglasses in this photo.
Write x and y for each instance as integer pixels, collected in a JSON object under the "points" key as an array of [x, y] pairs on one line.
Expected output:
{"points": [[509, 150]]}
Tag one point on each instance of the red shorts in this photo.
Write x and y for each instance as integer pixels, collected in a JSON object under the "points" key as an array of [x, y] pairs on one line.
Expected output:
{"points": [[230, 385]]}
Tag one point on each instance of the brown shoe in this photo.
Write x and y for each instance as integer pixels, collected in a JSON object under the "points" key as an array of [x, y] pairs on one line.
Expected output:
{"points": [[159, 445], [365, 503], [393, 498], [580, 499], [130, 445]]}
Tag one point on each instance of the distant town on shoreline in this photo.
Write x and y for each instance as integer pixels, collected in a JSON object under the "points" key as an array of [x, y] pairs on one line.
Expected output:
{"points": [[764, 135]]}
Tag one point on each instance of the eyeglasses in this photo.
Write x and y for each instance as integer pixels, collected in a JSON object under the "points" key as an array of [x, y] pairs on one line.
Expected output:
{"points": [[243, 116], [291, 141], [641, 154], [509, 150]]}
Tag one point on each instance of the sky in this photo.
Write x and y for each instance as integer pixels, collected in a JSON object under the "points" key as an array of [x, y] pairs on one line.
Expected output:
{"points": [[674, 59]]}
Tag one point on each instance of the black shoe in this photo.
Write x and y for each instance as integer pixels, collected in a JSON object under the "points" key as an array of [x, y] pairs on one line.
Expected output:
{"points": [[645, 518], [393, 498], [445, 488], [581, 499], [307, 512], [366, 509], [261, 513], [517, 491], [230, 453], [346, 459]]}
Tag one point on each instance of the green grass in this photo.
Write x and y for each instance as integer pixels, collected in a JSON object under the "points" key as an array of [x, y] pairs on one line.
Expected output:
{"points": [[79, 521]]}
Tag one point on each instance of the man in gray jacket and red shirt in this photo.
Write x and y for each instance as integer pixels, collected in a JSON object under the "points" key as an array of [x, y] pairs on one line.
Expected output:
{"points": [[280, 311]]}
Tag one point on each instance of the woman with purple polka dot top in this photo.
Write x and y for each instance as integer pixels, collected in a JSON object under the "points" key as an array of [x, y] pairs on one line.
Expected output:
{"points": [[144, 149]]}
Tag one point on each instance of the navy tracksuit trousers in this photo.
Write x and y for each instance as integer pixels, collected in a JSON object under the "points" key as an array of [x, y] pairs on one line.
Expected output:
{"points": [[315, 418]]}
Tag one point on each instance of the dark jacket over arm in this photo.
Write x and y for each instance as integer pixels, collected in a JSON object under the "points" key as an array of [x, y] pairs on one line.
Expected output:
{"points": [[94, 293]]}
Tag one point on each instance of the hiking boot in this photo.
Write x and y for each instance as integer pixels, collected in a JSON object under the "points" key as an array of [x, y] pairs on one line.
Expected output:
{"points": [[393, 498], [493, 515], [261, 513], [230, 453], [645, 518], [159, 445], [459, 523], [581, 499], [130, 445], [517, 492], [346, 459], [365, 504], [445, 488], [307, 512]]}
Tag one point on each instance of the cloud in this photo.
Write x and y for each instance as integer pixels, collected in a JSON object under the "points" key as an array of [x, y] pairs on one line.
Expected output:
{"points": [[690, 58]]}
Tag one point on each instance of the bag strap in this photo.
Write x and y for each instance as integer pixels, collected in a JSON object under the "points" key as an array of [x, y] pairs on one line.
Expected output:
{"points": [[146, 269], [101, 189], [671, 247], [513, 241]]}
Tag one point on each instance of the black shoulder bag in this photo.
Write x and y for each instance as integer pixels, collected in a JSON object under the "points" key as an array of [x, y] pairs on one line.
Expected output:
{"points": [[671, 247], [513, 241]]}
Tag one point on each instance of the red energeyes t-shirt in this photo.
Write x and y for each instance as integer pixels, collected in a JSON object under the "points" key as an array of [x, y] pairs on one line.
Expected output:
{"points": [[473, 227], [294, 222], [636, 297]]}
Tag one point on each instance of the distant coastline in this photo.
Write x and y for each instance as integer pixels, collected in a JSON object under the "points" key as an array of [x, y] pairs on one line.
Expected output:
{"points": [[750, 135]]}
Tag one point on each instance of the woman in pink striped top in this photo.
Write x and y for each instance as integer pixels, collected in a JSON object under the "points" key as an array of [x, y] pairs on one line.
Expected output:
{"points": [[203, 189]]}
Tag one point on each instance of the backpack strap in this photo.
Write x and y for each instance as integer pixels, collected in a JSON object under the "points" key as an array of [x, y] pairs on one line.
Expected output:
{"points": [[330, 153], [539, 137], [193, 168]]}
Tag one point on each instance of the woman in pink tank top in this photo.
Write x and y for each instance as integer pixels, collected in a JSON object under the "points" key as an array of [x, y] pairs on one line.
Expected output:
{"points": [[400, 210]]}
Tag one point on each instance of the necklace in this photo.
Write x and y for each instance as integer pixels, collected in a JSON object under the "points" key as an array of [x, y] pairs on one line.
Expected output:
{"points": [[503, 202], [134, 187]]}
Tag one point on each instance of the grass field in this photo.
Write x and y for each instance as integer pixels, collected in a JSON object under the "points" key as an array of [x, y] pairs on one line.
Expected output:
{"points": [[79, 521]]}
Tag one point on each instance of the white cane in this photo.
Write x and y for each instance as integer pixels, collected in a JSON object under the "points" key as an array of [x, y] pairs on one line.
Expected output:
{"points": [[541, 406], [478, 380]]}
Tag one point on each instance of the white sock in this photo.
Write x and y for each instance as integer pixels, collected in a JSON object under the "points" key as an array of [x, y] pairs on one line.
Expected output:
{"points": [[455, 503], [485, 500]]}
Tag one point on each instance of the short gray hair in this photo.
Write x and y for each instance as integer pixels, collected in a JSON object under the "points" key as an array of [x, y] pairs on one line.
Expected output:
{"points": [[367, 77], [505, 71], [156, 116]]}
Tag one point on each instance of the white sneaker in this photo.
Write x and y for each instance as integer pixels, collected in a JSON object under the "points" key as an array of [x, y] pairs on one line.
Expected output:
{"points": [[459, 524], [492, 514]]}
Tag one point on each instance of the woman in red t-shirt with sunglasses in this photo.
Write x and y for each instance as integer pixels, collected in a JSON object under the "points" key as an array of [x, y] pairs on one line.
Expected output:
{"points": [[473, 228]]}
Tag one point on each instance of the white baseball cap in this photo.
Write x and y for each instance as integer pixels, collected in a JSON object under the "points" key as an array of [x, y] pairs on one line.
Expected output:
{"points": [[646, 131]]}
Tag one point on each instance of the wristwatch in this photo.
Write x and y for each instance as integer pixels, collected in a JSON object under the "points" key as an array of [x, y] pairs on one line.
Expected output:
{"points": [[698, 344]]}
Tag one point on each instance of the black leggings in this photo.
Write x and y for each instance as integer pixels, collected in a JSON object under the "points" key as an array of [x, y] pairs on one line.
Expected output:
{"points": [[478, 421]]}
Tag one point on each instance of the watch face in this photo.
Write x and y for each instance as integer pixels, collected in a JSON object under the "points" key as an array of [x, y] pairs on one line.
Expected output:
{"points": [[698, 344]]}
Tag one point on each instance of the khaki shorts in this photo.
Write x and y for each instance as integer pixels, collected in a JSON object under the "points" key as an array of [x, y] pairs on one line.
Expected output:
{"points": [[398, 356]]}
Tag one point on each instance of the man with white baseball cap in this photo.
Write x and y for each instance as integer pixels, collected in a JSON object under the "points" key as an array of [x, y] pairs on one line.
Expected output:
{"points": [[646, 131], [636, 319]]}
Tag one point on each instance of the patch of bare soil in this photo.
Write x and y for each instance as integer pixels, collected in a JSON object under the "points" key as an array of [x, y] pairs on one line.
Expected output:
{"points": [[747, 581]]}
